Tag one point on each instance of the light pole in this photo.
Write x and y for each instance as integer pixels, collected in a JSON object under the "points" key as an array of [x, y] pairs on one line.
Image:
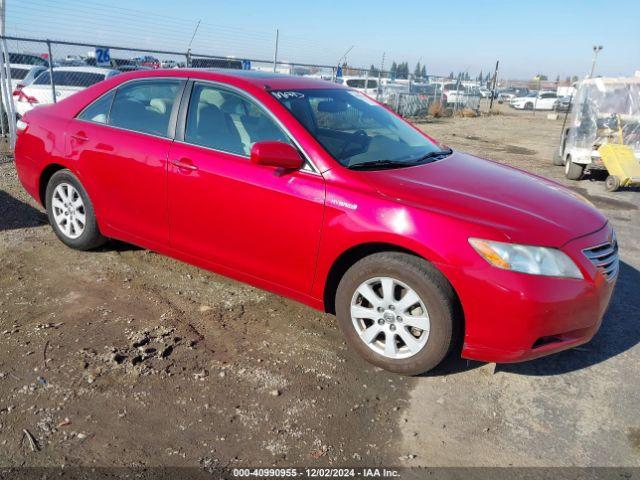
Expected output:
{"points": [[344, 57], [596, 50]]}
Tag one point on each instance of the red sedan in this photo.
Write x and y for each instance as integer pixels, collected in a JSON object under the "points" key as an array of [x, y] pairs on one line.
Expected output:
{"points": [[316, 192]]}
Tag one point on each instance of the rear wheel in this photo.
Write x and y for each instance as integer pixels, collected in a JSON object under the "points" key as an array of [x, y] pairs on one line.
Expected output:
{"points": [[528, 106], [573, 171], [397, 311], [612, 183], [71, 213]]}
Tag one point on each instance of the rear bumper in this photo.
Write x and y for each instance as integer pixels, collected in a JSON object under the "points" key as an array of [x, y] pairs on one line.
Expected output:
{"points": [[512, 317]]}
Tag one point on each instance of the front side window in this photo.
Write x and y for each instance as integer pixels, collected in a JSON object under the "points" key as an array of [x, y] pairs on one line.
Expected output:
{"points": [[357, 131], [145, 106], [226, 121]]}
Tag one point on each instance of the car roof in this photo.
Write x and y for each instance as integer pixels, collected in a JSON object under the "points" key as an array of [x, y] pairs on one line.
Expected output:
{"points": [[260, 79], [611, 80], [25, 66], [83, 69]]}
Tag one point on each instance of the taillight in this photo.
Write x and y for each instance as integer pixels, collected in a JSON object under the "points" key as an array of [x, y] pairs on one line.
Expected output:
{"points": [[17, 90], [23, 97], [21, 125]]}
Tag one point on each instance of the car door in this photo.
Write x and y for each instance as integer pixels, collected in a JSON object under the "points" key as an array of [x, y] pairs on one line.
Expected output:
{"points": [[546, 101], [253, 219], [123, 141]]}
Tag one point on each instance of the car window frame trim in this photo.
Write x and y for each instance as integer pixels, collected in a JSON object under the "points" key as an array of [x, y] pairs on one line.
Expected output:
{"points": [[179, 125], [184, 107], [171, 127]]}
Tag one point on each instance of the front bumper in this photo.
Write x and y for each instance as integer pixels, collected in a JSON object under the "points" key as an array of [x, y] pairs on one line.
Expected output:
{"points": [[512, 317]]}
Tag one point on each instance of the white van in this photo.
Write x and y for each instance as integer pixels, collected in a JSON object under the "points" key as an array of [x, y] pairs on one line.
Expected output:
{"points": [[368, 86]]}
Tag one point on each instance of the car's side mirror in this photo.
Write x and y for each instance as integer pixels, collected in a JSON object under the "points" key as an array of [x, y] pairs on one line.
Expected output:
{"points": [[276, 154]]}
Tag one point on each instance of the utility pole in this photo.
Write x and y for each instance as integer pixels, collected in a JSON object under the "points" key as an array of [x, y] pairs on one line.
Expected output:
{"points": [[53, 83], [340, 62], [2, 17], [275, 52], [493, 86], [2, 109], [379, 89], [596, 50], [6, 99]]}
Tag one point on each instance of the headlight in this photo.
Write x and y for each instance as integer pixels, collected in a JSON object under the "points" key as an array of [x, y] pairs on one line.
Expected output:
{"points": [[526, 258]]}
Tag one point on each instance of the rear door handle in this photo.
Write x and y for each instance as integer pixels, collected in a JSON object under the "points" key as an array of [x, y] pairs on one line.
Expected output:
{"points": [[184, 164], [80, 137]]}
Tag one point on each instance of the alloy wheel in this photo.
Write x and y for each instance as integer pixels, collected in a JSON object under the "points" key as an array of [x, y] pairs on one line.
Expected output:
{"points": [[390, 317], [68, 210]]}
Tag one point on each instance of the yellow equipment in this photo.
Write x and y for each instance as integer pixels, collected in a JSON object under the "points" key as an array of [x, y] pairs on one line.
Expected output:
{"points": [[622, 165]]}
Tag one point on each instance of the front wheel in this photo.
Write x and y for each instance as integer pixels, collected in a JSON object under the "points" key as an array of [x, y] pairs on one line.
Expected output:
{"points": [[71, 213], [398, 312], [573, 171]]}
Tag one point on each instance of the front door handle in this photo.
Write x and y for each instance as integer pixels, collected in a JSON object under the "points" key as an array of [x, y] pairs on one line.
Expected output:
{"points": [[184, 164]]}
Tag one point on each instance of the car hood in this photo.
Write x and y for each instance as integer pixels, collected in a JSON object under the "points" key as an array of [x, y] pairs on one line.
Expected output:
{"points": [[524, 207]]}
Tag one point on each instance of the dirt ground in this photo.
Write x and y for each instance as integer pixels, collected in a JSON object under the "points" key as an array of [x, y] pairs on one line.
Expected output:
{"points": [[126, 357]]}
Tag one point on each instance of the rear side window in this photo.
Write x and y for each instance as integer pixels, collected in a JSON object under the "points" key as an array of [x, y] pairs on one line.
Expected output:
{"points": [[355, 83], [98, 111], [216, 63], [145, 106], [225, 121], [70, 78], [19, 73], [26, 59]]}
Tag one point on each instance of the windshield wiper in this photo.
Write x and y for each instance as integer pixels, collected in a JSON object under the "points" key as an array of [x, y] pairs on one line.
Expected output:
{"points": [[375, 164], [433, 156], [380, 164]]}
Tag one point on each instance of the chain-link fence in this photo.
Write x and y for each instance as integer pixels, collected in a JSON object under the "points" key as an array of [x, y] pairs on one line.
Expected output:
{"points": [[43, 72]]}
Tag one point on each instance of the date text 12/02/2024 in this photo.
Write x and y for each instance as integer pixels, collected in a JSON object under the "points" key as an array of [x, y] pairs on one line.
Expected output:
{"points": [[316, 473]]}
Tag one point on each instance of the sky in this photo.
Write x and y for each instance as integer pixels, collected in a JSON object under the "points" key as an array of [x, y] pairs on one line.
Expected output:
{"points": [[548, 37]]}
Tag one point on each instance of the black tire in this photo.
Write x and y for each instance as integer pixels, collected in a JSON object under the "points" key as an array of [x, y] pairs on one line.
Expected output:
{"points": [[5, 121], [432, 288], [91, 237], [612, 183], [573, 171], [557, 160], [528, 106]]}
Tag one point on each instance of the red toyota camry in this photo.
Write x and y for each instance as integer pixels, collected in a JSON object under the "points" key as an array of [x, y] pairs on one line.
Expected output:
{"points": [[316, 192]]}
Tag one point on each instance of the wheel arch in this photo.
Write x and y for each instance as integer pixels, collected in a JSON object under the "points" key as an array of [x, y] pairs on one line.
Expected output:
{"points": [[357, 252], [43, 181]]}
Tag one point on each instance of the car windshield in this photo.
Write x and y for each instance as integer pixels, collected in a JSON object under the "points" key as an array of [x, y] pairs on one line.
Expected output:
{"points": [[357, 131]]}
